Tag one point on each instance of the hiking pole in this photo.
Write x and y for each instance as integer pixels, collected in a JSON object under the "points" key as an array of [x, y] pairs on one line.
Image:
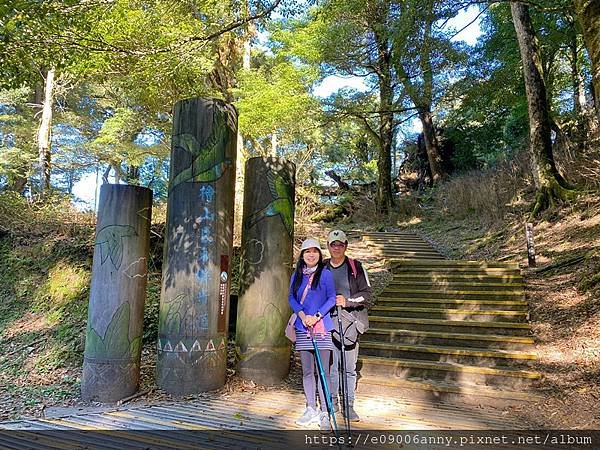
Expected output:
{"points": [[344, 376], [325, 388]]}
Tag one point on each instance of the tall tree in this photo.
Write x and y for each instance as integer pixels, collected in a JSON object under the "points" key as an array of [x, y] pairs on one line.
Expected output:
{"points": [[423, 54], [353, 38], [380, 14], [549, 182], [588, 13], [45, 131], [579, 97]]}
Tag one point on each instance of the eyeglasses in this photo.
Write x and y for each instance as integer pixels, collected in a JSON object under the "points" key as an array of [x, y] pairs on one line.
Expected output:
{"points": [[337, 245]]}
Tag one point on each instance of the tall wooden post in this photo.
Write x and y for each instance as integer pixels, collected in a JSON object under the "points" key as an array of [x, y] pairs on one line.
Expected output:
{"points": [[267, 250], [111, 365], [530, 244], [194, 308]]}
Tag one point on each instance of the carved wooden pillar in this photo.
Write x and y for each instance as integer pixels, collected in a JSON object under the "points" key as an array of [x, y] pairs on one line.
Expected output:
{"points": [[111, 366], [192, 342], [267, 251]]}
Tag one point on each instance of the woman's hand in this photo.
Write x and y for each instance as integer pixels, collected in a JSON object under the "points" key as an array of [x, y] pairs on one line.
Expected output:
{"points": [[309, 321]]}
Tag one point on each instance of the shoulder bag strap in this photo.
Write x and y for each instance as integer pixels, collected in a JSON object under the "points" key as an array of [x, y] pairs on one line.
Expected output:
{"points": [[310, 278]]}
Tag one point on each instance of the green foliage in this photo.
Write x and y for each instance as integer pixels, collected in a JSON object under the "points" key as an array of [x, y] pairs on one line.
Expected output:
{"points": [[33, 38], [45, 273], [151, 309], [348, 150], [490, 120], [17, 135], [275, 98]]}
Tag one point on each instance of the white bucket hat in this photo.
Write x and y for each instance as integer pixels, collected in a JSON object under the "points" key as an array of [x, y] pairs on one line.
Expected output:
{"points": [[310, 243]]}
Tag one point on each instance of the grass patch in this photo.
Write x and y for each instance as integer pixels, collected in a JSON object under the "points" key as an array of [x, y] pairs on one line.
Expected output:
{"points": [[45, 279]]}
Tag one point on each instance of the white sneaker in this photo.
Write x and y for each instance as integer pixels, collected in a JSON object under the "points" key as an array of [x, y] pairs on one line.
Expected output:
{"points": [[310, 416], [324, 424]]}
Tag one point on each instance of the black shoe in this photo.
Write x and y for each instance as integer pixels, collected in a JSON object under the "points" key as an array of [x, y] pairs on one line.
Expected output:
{"points": [[335, 405], [352, 414]]}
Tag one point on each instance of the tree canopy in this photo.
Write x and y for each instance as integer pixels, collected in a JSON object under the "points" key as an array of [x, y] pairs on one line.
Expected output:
{"points": [[119, 66]]}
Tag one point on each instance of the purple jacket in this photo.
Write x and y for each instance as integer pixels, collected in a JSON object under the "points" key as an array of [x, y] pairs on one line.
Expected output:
{"points": [[321, 299]]}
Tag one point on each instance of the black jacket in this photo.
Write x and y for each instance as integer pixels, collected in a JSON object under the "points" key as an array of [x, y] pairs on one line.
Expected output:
{"points": [[359, 287]]}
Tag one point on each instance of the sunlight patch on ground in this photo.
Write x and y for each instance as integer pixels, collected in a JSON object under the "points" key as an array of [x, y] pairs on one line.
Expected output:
{"points": [[29, 323]]}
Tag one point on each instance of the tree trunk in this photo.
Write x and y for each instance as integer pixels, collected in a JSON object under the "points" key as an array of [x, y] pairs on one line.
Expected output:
{"points": [[384, 164], [575, 78], [550, 184], [385, 199], [17, 184], [335, 177], [425, 100], [274, 144], [588, 13], [45, 133], [70, 181], [432, 146], [133, 174], [594, 99], [242, 155]]}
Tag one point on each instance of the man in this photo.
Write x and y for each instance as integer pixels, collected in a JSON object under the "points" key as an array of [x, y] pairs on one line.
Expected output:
{"points": [[353, 299]]}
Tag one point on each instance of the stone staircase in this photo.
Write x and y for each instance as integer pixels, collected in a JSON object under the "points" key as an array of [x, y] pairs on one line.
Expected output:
{"points": [[445, 327]]}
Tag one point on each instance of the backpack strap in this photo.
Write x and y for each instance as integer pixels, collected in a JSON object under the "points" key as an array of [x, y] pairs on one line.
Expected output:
{"points": [[353, 267]]}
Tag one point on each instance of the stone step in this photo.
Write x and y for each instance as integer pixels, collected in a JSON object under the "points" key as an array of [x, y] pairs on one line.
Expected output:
{"points": [[456, 264], [459, 294], [474, 288], [384, 242], [460, 277], [392, 253], [510, 305], [462, 355], [452, 284], [448, 313], [451, 325], [400, 246], [461, 374], [407, 254], [405, 336], [394, 239], [388, 233], [435, 391], [461, 271]]}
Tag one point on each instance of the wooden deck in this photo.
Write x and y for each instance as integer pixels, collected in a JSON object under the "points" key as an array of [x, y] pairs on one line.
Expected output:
{"points": [[236, 420]]}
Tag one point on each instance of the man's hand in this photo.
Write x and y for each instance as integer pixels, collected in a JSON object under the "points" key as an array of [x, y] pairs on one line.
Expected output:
{"points": [[340, 300]]}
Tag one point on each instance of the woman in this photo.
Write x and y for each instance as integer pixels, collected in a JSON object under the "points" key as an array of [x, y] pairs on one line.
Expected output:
{"points": [[312, 303]]}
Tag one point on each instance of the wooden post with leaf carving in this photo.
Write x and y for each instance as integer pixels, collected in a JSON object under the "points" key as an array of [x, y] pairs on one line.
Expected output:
{"points": [[267, 251], [194, 305], [111, 365]]}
